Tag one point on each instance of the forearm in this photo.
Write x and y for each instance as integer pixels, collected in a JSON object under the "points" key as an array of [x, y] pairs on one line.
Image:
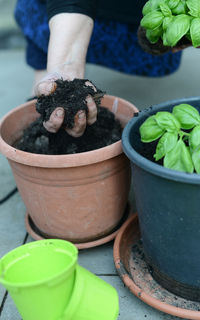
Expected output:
{"points": [[69, 39]]}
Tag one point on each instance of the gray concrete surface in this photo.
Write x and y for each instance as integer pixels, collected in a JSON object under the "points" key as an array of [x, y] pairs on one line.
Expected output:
{"points": [[15, 87]]}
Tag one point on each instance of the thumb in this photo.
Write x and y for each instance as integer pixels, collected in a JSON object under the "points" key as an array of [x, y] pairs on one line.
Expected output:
{"points": [[47, 85]]}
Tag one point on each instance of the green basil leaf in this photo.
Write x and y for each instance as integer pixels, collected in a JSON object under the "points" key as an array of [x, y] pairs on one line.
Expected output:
{"points": [[151, 5], [173, 3], [166, 22], [177, 29], [165, 9], [167, 121], [179, 158], [155, 4], [180, 8], [147, 8], [194, 8], [194, 138], [150, 130], [152, 20], [164, 39], [195, 32], [154, 35], [196, 159], [187, 115], [166, 143]]}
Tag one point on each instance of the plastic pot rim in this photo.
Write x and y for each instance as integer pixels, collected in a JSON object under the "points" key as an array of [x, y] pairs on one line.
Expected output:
{"points": [[147, 165], [10, 284]]}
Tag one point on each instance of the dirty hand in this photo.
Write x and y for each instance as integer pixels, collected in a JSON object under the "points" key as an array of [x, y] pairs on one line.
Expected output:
{"points": [[47, 86]]}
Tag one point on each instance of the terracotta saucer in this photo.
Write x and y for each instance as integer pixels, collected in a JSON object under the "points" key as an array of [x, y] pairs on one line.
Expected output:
{"points": [[35, 232], [131, 267]]}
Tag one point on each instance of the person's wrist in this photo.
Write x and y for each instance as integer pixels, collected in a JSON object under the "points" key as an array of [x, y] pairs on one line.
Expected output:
{"points": [[69, 47], [68, 70]]}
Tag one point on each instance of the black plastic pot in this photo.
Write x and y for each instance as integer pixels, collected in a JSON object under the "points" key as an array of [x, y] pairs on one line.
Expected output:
{"points": [[168, 205]]}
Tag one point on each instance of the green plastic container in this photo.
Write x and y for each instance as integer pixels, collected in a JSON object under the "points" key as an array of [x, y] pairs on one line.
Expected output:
{"points": [[92, 299], [40, 277]]}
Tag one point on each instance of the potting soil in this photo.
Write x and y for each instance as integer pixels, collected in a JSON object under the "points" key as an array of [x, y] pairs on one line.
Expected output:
{"points": [[158, 48], [71, 96], [141, 275]]}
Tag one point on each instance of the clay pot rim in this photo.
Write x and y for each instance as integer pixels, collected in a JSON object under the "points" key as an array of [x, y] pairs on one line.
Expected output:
{"points": [[138, 292], [60, 161]]}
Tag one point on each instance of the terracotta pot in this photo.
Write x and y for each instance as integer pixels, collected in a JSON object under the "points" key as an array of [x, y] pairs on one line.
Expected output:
{"points": [[78, 197]]}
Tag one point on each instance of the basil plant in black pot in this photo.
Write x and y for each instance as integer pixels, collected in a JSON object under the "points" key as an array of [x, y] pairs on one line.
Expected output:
{"points": [[163, 145]]}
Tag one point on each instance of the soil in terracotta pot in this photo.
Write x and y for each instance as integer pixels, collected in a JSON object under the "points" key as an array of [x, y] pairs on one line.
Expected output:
{"points": [[71, 96]]}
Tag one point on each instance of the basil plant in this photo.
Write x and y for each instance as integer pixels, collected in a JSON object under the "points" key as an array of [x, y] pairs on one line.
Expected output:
{"points": [[170, 20], [179, 137]]}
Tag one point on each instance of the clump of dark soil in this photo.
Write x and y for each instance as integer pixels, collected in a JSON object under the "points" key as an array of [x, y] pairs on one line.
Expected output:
{"points": [[71, 96], [155, 49], [158, 48]]}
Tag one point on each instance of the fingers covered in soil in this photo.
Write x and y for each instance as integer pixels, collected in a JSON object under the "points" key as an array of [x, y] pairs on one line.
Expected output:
{"points": [[47, 85], [92, 110], [73, 97], [79, 125], [55, 121]]}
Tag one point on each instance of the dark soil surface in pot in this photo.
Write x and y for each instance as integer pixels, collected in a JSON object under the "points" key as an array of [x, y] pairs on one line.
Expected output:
{"points": [[147, 150], [71, 96]]}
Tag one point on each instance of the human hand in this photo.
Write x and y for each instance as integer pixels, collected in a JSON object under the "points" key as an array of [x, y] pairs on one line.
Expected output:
{"points": [[47, 86], [67, 55]]}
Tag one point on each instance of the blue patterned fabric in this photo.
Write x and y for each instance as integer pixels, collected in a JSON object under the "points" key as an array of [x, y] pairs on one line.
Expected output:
{"points": [[113, 44]]}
